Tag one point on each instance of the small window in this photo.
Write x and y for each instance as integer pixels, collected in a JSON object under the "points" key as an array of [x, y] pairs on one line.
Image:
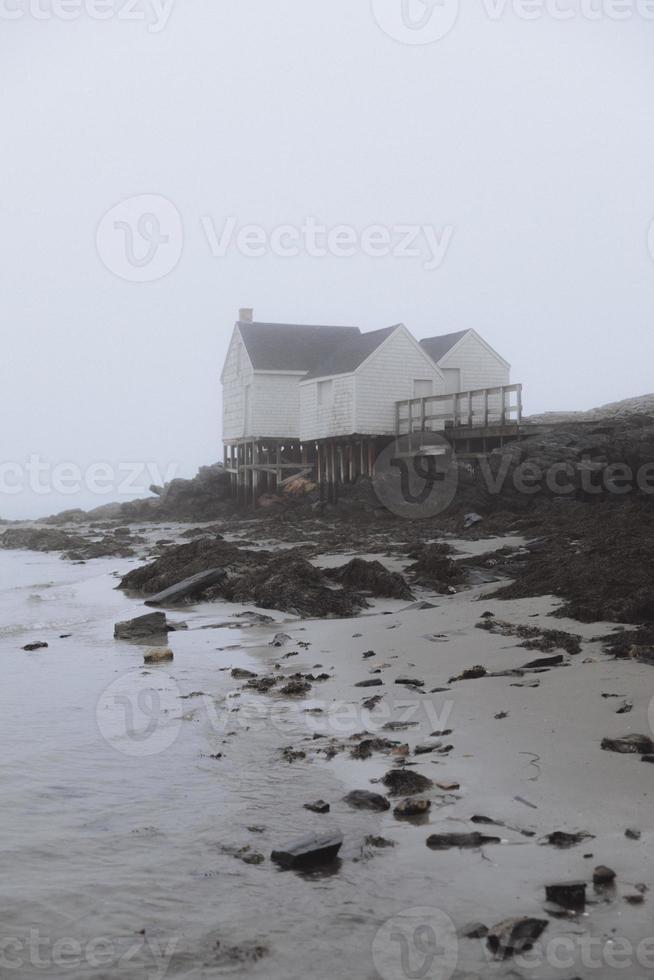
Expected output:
{"points": [[325, 394]]}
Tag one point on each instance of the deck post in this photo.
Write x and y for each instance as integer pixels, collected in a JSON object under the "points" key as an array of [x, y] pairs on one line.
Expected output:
{"points": [[486, 406]]}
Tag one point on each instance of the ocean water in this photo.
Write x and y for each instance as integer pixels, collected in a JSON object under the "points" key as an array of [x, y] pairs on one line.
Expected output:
{"points": [[115, 817]]}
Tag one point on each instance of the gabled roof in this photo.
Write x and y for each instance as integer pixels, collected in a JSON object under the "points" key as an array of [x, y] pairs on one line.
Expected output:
{"points": [[291, 346], [438, 347], [347, 357]]}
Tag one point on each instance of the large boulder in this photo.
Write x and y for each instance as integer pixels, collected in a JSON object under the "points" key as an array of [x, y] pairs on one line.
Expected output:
{"points": [[143, 627]]}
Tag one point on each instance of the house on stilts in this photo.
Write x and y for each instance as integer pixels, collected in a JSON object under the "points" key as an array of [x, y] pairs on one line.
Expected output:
{"points": [[325, 400]]}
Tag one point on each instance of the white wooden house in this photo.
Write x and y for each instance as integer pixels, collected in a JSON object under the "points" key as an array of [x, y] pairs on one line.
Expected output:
{"points": [[325, 399]]}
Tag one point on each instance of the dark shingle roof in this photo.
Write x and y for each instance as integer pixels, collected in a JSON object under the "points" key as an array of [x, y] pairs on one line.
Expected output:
{"points": [[438, 347], [348, 356], [290, 346]]}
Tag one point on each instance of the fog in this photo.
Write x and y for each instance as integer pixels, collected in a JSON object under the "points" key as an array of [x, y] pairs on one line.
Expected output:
{"points": [[520, 152]]}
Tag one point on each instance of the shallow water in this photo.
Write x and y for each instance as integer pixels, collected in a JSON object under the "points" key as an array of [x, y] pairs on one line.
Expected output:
{"points": [[109, 831]]}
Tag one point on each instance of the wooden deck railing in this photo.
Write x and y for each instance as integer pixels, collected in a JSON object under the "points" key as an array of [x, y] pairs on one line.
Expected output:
{"points": [[479, 408]]}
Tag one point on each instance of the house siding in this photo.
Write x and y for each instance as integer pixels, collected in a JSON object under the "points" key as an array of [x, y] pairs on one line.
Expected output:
{"points": [[275, 406], [479, 367], [237, 373], [323, 422], [388, 377]]}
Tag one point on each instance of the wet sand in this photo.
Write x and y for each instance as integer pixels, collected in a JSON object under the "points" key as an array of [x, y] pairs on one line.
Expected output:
{"points": [[107, 834]]}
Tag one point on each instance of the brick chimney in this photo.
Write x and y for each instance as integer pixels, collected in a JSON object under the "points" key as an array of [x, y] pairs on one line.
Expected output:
{"points": [[246, 314]]}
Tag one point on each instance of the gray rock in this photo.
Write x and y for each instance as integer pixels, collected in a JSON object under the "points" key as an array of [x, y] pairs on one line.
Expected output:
{"points": [[319, 806], [309, 851], [444, 842], [515, 936], [603, 875], [143, 627], [406, 782], [571, 895], [362, 799], [412, 808], [629, 744]]}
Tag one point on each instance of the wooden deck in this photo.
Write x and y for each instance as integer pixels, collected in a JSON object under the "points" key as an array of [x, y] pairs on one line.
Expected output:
{"points": [[472, 421]]}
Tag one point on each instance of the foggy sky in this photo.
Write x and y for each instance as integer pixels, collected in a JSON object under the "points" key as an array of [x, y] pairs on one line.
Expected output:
{"points": [[532, 141]]}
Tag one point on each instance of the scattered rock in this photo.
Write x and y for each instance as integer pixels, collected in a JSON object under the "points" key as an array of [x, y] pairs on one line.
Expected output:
{"points": [[309, 851], [470, 674], [373, 682], [158, 656], [279, 639], [406, 782], [319, 806], [367, 746], [629, 744], [563, 840], [514, 936], [296, 687], [603, 875], [244, 854], [371, 577], [372, 702], [38, 645], [362, 799], [399, 726], [379, 842], [625, 707], [368, 654], [569, 896], [448, 787], [634, 899], [444, 842], [544, 662], [632, 834], [152, 624], [409, 682], [410, 807], [240, 674], [431, 745]]}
